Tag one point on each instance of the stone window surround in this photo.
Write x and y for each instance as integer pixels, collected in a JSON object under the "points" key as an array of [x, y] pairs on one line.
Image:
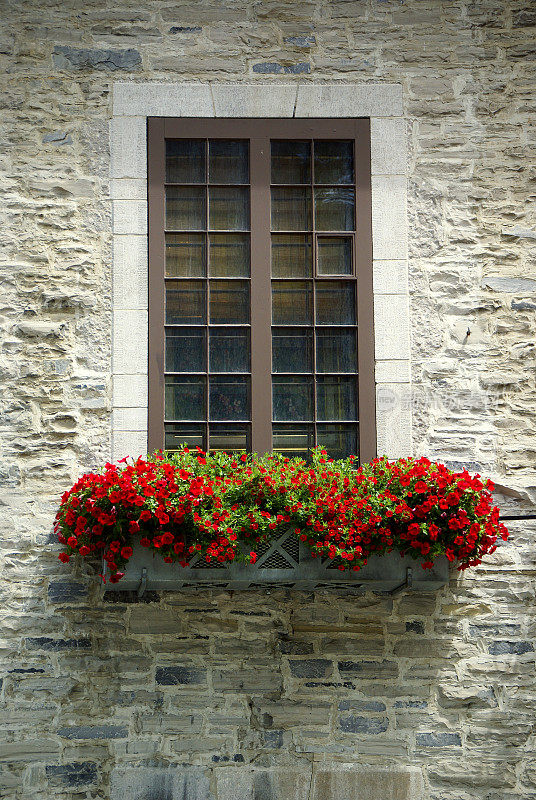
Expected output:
{"points": [[132, 104]]}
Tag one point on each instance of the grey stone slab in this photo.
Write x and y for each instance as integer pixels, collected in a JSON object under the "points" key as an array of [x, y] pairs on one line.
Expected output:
{"points": [[349, 100], [510, 285], [254, 100], [77, 58], [350, 782], [162, 99], [160, 783]]}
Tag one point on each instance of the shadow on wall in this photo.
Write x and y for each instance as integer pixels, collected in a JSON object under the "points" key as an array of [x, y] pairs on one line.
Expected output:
{"points": [[277, 695]]}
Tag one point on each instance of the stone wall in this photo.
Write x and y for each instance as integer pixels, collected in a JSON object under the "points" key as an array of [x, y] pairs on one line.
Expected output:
{"points": [[266, 694]]}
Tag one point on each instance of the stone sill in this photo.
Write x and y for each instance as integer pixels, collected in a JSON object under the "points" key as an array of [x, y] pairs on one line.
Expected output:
{"points": [[285, 564]]}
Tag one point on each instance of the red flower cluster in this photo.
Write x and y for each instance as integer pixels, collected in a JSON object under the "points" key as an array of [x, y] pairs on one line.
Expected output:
{"points": [[219, 507]]}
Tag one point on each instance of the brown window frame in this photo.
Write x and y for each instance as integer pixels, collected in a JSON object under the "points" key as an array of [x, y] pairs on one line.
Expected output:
{"points": [[260, 132]]}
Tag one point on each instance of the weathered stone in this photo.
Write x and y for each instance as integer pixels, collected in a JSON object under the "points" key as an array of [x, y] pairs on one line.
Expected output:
{"points": [[514, 648], [44, 643], [439, 740], [65, 57], [93, 732], [274, 68], [354, 724], [72, 775], [66, 591], [173, 676], [311, 668], [511, 285]]}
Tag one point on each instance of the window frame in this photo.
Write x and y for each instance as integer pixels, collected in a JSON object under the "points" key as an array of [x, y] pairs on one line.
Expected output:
{"points": [[260, 132]]}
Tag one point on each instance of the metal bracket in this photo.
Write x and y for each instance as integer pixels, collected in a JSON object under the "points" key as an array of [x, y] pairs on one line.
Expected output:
{"points": [[407, 584], [143, 582]]}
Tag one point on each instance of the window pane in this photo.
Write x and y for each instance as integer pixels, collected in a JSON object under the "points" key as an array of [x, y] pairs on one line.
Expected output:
{"points": [[190, 435], [339, 440], [334, 209], [185, 208], [229, 350], [229, 255], [229, 302], [336, 351], [185, 255], [185, 303], [292, 302], [336, 398], [292, 398], [228, 162], [291, 209], [229, 438], [334, 255], [229, 398], [185, 350], [185, 397], [229, 208], [335, 303], [292, 350], [185, 161], [292, 256], [334, 162], [291, 162], [293, 440]]}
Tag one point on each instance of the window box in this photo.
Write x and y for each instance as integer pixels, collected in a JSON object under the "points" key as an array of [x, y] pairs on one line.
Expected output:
{"points": [[286, 563]]}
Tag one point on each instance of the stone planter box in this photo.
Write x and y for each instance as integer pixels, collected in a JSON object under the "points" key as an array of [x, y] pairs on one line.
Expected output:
{"points": [[286, 563]]}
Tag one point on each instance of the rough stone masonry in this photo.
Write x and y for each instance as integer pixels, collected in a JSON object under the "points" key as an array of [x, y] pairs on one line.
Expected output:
{"points": [[268, 695]]}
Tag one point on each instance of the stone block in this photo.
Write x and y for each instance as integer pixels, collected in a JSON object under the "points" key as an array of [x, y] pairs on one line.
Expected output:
{"points": [[46, 643], [393, 371], [129, 419], [439, 740], [311, 668], [180, 675], [154, 620], [162, 99], [510, 285], [393, 419], [128, 443], [351, 781], [285, 714], [72, 775], [254, 100], [29, 750], [358, 724], [388, 148], [128, 188], [275, 68], [66, 591], [93, 732], [170, 723], [129, 347], [129, 391], [164, 783], [390, 276], [368, 670], [352, 645], [76, 58], [510, 648], [344, 100], [242, 783], [389, 217], [391, 327], [128, 149], [129, 217], [248, 679]]}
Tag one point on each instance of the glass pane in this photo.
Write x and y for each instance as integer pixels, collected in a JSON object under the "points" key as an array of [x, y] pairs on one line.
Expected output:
{"points": [[185, 255], [185, 161], [336, 398], [335, 303], [185, 397], [291, 209], [229, 302], [185, 208], [292, 256], [336, 351], [229, 398], [229, 437], [229, 255], [185, 303], [178, 435], [339, 440], [292, 350], [229, 350], [229, 208], [228, 162], [334, 255], [185, 350], [293, 440], [334, 162], [292, 302], [292, 398], [334, 209], [291, 162]]}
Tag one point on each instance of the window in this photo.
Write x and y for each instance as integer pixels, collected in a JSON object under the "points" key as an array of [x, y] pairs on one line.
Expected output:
{"points": [[260, 285]]}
